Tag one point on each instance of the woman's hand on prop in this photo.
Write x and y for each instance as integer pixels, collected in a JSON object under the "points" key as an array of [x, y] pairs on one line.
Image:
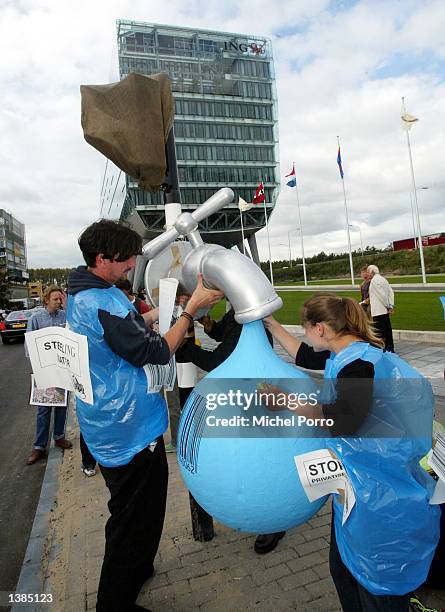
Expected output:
{"points": [[272, 397]]}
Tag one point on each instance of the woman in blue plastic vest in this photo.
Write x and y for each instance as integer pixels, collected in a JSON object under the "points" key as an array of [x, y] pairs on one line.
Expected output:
{"points": [[382, 411]]}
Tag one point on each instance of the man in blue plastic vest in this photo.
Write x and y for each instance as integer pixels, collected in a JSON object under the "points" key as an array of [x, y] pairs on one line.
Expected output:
{"points": [[124, 426]]}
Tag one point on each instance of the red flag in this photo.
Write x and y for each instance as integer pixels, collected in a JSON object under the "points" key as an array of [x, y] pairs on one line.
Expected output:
{"points": [[259, 196]]}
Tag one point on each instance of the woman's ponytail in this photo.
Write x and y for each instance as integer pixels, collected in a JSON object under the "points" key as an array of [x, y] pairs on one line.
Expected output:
{"points": [[344, 315]]}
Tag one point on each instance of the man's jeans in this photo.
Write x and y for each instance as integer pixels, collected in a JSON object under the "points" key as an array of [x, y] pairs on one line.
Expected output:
{"points": [[43, 423]]}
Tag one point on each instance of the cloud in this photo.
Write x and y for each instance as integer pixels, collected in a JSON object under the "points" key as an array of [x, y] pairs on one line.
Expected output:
{"points": [[341, 68]]}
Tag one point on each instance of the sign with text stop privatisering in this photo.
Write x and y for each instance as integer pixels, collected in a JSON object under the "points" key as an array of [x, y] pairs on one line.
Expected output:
{"points": [[59, 358]]}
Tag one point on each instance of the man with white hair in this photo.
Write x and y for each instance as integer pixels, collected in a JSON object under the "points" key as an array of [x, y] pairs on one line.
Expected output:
{"points": [[381, 299]]}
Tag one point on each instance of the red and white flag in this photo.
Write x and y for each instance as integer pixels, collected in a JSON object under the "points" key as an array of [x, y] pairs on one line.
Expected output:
{"points": [[259, 197]]}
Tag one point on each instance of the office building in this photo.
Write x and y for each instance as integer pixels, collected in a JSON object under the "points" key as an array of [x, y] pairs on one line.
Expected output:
{"points": [[225, 124]]}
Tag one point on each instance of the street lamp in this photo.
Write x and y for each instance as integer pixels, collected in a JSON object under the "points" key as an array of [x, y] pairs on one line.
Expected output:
{"points": [[297, 229], [290, 255]]}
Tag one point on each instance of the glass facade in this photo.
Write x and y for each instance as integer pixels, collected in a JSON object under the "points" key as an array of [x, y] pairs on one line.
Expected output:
{"points": [[225, 124], [13, 249]]}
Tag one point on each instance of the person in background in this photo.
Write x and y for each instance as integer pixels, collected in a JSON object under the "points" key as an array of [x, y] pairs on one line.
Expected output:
{"points": [[51, 315], [364, 288], [381, 301], [124, 285]]}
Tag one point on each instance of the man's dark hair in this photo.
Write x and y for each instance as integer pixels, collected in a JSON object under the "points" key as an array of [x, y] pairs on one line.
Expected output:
{"points": [[113, 239], [124, 284]]}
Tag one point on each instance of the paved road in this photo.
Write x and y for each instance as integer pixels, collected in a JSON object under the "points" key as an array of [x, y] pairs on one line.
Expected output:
{"points": [[19, 484]]}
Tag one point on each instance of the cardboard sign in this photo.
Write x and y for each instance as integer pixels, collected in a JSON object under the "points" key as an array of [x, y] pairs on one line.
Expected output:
{"points": [[59, 358], [436, 459], [322, 473]]}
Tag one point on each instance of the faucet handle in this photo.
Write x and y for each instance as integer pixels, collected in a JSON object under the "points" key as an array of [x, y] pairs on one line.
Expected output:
{"points": [[217, 201]]}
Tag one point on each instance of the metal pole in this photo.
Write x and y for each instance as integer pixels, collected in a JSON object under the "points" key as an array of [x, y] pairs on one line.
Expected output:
{"points": [[268, 243], [172, 192], [242, 231], [290, 252], [347, 225], [416, 206], [202, 523], [413, 220], [301, 236]]}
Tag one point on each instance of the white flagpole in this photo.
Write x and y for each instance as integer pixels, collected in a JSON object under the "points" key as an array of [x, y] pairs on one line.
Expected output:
{"points": [[413, 220], [268, 241], [347, 224], [242, 230], [267, 230], [301, 229], [416, 206]]}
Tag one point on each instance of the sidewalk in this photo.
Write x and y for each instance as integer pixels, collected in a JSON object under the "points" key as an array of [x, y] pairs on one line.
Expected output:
{"points": [[222, 575]]}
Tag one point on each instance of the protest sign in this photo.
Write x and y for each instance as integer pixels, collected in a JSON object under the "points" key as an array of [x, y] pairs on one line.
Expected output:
{"points": [[59, 358]]}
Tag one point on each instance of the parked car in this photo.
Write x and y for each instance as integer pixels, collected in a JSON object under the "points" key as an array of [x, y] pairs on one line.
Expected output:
{"points": [[15, 324]]}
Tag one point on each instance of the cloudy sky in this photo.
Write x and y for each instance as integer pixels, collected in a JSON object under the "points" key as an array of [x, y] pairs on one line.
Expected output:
{"points": [[342, 68]]}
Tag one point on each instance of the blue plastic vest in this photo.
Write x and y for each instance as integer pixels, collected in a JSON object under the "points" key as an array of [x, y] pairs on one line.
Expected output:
{"points": [[389, 539], [124, 418]]}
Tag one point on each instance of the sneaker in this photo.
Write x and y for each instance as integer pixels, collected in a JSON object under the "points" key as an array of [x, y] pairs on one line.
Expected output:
{"points": [[170, 448], [88, 471]]}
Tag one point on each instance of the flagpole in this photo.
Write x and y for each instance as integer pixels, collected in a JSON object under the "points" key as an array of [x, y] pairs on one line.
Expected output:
{"points": [[268, 240], [416, 206], [301, 230], [267, 230], [347, 222], [413, 220], [242, 231]]}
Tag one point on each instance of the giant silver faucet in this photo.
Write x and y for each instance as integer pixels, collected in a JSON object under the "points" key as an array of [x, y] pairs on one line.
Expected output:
{"points": [[242, 281]]}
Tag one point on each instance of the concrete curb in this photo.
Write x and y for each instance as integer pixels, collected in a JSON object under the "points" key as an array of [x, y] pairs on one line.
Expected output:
{"points": [[409, 335], [32, 575]]}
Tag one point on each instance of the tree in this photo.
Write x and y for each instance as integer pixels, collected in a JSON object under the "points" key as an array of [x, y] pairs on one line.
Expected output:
{"points": [[4, 289]]}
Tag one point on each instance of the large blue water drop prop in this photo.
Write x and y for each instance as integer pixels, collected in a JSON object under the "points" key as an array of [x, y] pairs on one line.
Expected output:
{"points": [[250, 484]]}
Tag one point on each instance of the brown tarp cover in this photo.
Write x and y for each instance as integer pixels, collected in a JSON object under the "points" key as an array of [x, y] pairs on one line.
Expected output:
{"points": [[129, 123]]}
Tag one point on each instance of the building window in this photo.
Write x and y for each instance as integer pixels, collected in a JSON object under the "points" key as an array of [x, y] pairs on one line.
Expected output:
{"points": [[225, 174], [224, 153], [207, 108], [215, 131]]}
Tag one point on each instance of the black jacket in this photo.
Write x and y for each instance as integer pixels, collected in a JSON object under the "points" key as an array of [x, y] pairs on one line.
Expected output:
{"points": [[129, 338], [226, 331]]}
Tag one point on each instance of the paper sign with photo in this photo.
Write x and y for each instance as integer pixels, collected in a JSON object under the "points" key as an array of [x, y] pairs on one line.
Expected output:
{"points": [[59, 358], [52, 396]]}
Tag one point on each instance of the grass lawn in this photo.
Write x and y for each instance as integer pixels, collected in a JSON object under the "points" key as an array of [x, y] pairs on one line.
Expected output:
{"points": [[417, 311], [395, 280]]}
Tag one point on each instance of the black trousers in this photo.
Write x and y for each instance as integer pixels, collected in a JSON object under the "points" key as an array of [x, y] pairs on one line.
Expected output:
{"points": [[353, 596], [137, 506], [382, 324], [88, 461]]}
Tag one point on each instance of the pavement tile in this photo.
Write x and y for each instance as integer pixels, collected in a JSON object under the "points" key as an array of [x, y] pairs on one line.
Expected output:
{"points": [[271, 574], [279, 556], [305, 562], [301, 579], [322, 587], [312, 546]]}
